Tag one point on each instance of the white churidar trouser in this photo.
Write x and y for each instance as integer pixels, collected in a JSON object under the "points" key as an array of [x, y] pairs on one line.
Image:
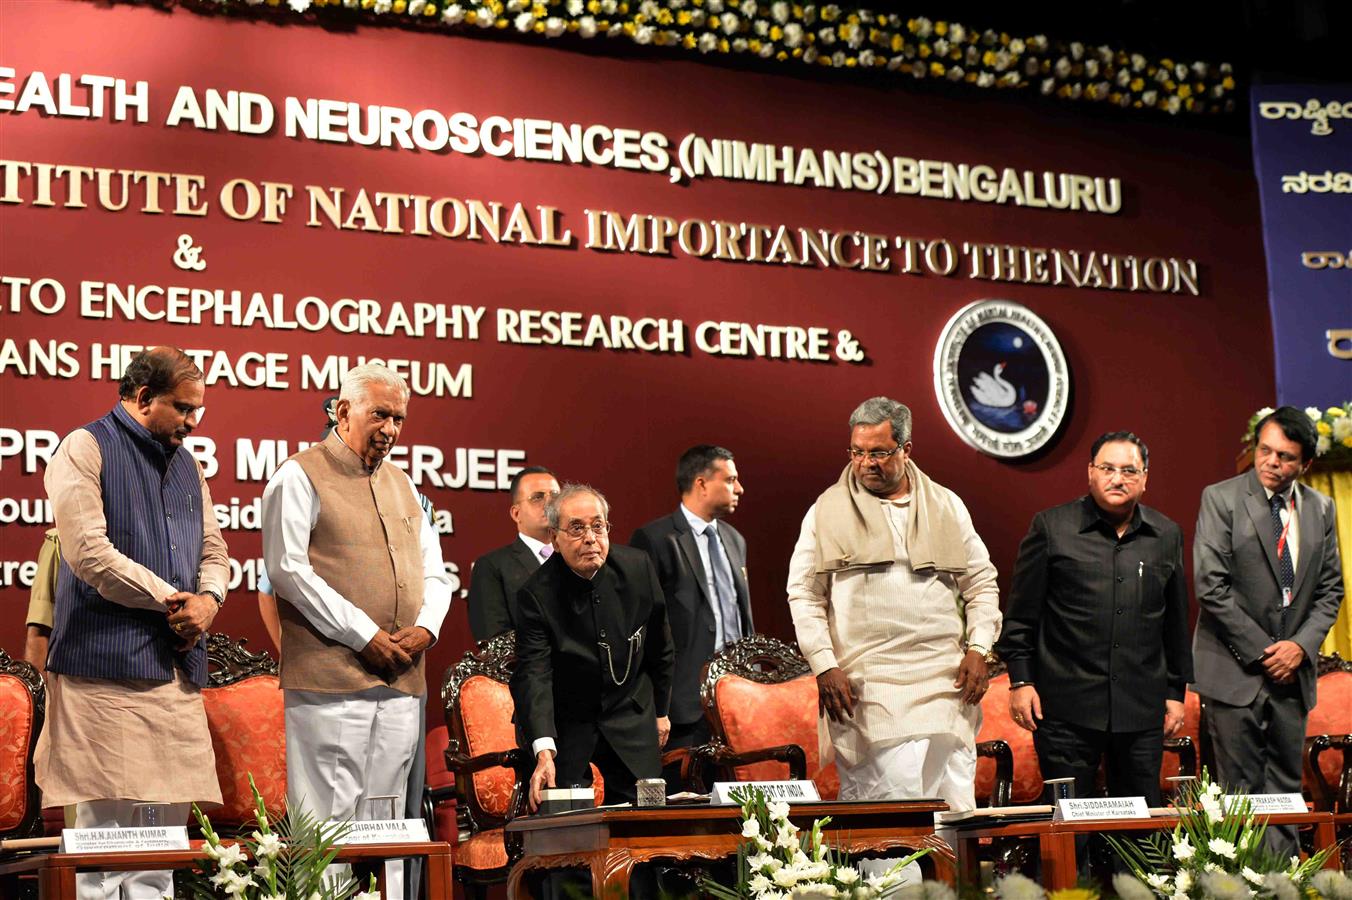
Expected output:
{"points": [[344, 748], [123, 885], [940, 766]]}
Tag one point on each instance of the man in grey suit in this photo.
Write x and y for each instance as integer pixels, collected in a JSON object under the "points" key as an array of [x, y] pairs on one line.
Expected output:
{"points": [[1269, 584], [701, 563], [499, 574]]}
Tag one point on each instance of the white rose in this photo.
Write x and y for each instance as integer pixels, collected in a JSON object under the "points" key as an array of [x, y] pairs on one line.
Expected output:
{"points": [[955, 73], [648, 9], [383, 6], [766, 51], [698, 18], [985, 79], [826, 37], [1091, 68]]}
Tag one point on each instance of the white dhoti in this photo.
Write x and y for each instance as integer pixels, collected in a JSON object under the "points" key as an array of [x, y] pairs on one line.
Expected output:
{"points": [[342, 749], [942, 766]]}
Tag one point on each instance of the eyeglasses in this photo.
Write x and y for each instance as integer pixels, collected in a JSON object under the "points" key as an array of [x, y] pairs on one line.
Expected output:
{"points": [[1128, 473], [541, 497], [875, 455], [578, 530]]}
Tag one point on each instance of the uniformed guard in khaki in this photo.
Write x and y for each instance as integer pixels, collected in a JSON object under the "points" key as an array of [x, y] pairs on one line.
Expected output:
{"points": [[374, 561]]}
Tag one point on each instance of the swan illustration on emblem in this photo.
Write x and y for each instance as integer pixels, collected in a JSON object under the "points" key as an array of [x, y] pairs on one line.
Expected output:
{"points": [[990, 389]]}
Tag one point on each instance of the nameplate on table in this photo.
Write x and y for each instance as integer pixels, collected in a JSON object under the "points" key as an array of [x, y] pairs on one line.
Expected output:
{"points": [[387, 831], [115, 840], [1081, 809], [1267, 804], [791, 791]]}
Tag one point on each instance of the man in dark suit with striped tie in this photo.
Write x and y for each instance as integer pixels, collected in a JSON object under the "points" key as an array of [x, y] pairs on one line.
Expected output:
{"points": [[1269, 584], [500, 573]]}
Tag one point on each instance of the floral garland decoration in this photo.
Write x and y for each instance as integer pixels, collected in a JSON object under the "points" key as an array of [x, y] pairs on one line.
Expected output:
{"points": [[833, 36], [1332, 426]]}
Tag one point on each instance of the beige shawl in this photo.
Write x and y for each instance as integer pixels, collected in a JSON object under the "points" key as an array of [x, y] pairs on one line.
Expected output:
{"points": [[852, 530]]}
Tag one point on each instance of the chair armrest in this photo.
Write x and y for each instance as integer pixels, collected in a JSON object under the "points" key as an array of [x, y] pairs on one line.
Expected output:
{"points": [[430, 798], [1186, 751], [999, 751], [691, 761], [1326, 797], [464, 766], [792, 754]]}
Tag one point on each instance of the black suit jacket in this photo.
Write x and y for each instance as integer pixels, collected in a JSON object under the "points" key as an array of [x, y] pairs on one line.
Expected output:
{"points": [[567, 687], [674, 549], [1099, 624], [496, 577]]}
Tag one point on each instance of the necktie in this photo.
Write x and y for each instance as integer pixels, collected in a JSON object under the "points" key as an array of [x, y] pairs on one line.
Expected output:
{"points": [[727, 594], [545, 552], [1286, 570]]}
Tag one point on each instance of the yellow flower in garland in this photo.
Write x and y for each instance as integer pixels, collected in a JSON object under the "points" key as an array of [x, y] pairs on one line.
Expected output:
{"points": [[937, 69], [1137, 84], [1228, 83], [278, 3], [924, 51], [1323, 427], [941, 28], [683, 17], [897, 43], [1347, 441], [1185, 91], [988, 58], [429, 10], [754, 45], [781, 56], [723, 45], [399, 6], [470, 17], [593, 6], [689, 42], [776, 32], [1335, 412], [664, 17]]}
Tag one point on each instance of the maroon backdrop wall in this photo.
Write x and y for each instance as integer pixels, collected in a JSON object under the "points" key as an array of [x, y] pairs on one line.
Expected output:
{"points": [[1183, 371]]}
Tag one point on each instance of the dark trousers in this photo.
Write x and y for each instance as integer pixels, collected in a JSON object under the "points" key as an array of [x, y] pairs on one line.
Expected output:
{"points": [[1259, 749], [1133, 758], [620, 780]]}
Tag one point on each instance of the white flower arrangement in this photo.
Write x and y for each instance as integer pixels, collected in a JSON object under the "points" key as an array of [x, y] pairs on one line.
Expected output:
{"points": [[1216, 852], [1333, 431], [290, 859], [778, 860]]}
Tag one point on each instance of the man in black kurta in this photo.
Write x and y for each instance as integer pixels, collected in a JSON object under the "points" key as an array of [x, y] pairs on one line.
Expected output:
{"points": [[592, 682], [1096, 633]]}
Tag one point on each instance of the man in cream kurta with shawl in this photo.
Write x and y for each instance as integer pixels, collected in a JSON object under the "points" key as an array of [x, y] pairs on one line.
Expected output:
{"points": [[895, 604]]}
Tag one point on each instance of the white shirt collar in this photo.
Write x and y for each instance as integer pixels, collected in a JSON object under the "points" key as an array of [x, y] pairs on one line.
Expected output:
{"points": [[534, 545], [1287, 498], [696, 523]]}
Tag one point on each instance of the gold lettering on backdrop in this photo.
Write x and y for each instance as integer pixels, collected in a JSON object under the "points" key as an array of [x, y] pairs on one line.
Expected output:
{"points": [[1315, 112], [1326, 259], [1340, 342], [1317, 183]]}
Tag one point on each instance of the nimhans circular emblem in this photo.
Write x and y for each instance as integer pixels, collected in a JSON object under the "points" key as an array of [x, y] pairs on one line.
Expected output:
{"points": [[1001, 378]]}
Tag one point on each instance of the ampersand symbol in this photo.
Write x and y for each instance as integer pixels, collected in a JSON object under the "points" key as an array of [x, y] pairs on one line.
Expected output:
{"points": [[847, 348], [187, 256]]}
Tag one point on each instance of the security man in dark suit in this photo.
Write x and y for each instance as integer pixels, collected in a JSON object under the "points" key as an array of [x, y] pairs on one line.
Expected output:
{"points": [[592, 682], [701, 561], [1096, 631], [499, 574], [1269, 585]]}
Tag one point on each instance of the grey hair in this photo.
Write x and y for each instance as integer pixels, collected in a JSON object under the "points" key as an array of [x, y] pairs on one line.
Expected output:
{"points": [[569, 491], [877, 410], [358, 380]]}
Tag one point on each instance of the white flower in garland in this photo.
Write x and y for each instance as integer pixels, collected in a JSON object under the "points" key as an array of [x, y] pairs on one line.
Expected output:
{"points": [[299, 6], [648, 9], [714, 6], [766, 51], [1148, 98], [838, 59], [729, 23], [1009, 79], [416, 7], [1076, 50], [793, 35], [523, 22], [810, 55], [484, 19], [1091, 68], [779, 11], [941, 47], [1048, 86], [1031, 67], [708, 43], [985, 79], [923, 28], [826, 37], [575, 8], [644, 34], [749, 9], [555, 26], [854, 35], [868, 58], [1061, 67], [761, 27], [955, 73], [586, 26], [957, 34], [697, 18], [738, 45]]}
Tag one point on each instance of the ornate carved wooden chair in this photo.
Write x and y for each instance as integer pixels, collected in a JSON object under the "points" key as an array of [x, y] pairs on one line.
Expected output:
{"points": [[243, 700], [757, 693], [23, 705], [1328, 748], [483, 756]]}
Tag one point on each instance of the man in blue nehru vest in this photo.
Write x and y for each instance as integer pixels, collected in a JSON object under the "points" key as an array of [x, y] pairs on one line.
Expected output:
{"points": [[143, 572]]}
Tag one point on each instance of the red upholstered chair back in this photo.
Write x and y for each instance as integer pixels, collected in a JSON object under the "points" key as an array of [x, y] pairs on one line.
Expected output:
{"points": [[243, 701], [1332, 713], [479, 708], [759, 692], [996, 725], [23, 703], [439, 802]]}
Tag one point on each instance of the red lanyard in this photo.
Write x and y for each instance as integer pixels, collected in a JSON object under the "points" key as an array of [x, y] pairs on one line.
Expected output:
{"points": [[1281, 540]]}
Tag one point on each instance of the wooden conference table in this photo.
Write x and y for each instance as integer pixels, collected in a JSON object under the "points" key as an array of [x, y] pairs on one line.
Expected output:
{"points": [[610, 842], [1056, 840], [56, 871]]}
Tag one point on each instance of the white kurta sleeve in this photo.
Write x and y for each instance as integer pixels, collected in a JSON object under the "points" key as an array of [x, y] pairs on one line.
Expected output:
{"points": [[437, 593], [809, 597], [290, 511]]}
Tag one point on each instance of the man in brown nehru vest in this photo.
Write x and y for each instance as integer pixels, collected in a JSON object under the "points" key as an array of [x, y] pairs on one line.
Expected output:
{"points": [[362, 592]]}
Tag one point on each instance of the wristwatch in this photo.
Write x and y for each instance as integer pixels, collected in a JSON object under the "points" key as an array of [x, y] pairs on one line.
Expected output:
{"points": [[220, 601], [987, 655]]}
